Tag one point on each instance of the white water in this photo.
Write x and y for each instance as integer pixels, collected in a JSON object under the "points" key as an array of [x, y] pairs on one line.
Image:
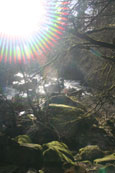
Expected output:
{"points": [[51, 86]]}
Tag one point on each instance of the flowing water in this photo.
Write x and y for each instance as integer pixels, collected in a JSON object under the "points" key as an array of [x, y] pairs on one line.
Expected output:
{"points": [[52, 85]]}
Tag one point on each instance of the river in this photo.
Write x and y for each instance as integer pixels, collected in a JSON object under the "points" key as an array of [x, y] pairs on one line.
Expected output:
{"points": [[49, 87]]}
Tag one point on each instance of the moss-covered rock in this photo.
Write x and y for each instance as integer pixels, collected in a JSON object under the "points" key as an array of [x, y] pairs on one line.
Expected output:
{"points": [[58, 159], [26, 155], [42, 133], [23, 139], [93, 135], [90, 152], [23, 155], [107, 159], [70, 122], [65, 100], [65, 110], [56, 154]]}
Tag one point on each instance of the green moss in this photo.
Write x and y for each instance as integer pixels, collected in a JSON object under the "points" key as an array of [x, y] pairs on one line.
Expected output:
{"points": [[57, 144], [66, 100], [41, 171], [87, 162], [106, 159], [23, 139], [34, 146], [57, 153], [64, 112], [65, 106], [89, 148]]}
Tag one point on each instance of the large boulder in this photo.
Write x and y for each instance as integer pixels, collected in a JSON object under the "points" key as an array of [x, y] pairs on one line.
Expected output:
{"points": [[23, 155], [59, 159], [42, 133], [77, 128], [70, 122], [93, 135], [47, 131], [65, 100]]}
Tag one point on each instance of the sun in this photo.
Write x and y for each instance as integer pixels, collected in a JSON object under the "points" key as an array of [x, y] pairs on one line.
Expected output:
{"points": [[20, 18], [29, 29]]}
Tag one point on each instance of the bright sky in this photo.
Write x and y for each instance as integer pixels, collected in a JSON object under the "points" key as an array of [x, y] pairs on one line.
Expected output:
{"points": [[21, 17]]}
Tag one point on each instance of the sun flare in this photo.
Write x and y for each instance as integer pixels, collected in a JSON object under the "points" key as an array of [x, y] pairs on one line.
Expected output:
{"points": [[30, 28], [21, 17]]}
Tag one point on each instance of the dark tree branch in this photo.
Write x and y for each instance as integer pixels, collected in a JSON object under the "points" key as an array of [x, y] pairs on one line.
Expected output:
{"points": [[88, 47], [95, 42], [101, 29], [98, 14]]}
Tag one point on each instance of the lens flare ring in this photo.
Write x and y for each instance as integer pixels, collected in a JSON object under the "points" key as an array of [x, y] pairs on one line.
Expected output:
{"points": [[30, 28]]}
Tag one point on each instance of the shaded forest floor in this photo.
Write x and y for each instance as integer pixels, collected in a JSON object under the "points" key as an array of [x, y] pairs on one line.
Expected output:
{"points": [[88, 136]]}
